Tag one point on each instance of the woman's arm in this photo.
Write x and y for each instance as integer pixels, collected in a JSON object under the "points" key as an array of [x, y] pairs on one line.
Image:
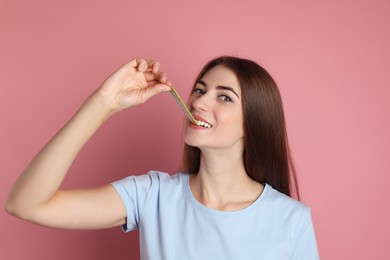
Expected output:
{"points": [[36, 196]]}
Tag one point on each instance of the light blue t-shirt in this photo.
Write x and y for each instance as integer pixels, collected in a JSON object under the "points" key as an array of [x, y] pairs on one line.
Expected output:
{"points": [[174, 225]]}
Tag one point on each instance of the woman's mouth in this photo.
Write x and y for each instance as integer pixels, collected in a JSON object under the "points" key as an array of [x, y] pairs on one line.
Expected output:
{"points": [[203, 124]]}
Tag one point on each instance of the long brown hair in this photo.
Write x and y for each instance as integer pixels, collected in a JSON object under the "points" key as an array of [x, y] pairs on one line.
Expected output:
{"points": [[267, 157]]}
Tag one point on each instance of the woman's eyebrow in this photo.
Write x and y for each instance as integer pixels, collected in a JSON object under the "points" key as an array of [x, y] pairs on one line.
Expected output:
{"points": [[201, 82]]}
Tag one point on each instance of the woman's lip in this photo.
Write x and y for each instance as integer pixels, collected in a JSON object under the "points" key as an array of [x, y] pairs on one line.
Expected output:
{"points": [[199, 118], [196, 127], [199, 127]]}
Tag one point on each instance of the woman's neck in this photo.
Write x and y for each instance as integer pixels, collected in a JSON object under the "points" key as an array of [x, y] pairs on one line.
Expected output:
{"points": [[222, 182]]}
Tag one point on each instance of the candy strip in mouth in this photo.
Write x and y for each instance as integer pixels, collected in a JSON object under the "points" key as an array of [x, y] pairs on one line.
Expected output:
{"points": [[183, 106]]}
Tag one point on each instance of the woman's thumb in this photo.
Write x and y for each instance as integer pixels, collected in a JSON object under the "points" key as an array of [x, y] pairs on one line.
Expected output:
{"points": [[154, 90]]}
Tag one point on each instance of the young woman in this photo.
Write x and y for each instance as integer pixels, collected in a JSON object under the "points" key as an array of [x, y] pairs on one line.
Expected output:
{"points": [[233, 198]]}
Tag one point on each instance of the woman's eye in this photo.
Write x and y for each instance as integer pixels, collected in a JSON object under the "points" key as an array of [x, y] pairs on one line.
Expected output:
{"points": [[225, 98], [198, 91]]}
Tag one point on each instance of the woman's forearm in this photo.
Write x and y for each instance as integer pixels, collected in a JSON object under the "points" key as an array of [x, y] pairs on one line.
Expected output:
{"points": [[43, 176]]}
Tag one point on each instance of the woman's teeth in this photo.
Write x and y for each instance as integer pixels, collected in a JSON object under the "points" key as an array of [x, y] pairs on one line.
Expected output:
{"points": [[204, 124]]}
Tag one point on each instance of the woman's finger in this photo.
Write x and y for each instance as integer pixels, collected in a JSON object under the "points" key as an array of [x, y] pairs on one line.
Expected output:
{"points": [[154, 65], [149, 76], [142, 65], [154, 90], [139, 63], [135, 62], [162, 77], [159, 77], [145, 65]]}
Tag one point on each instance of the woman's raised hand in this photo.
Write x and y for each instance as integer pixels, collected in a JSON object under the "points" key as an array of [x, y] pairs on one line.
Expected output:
{"points": [[132, 84]]}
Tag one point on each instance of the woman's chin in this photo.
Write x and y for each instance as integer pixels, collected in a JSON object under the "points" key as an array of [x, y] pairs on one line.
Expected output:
{"points": [[192, 143]]}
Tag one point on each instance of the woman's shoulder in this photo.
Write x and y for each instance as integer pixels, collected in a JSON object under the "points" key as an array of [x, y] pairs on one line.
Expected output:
{"points": [[164, 177], [164, 181], [153, 180], [279, 201]]}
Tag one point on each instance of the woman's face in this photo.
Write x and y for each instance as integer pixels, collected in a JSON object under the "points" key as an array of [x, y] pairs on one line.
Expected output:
{"points": [[216, 100]]}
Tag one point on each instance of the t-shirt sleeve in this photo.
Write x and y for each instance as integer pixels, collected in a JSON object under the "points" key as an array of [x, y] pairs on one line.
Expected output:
{"points": [[135, 192], [305, 244]]}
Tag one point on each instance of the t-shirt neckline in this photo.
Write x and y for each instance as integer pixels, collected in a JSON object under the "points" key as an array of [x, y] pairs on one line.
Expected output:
{"points": [[197, 204]]}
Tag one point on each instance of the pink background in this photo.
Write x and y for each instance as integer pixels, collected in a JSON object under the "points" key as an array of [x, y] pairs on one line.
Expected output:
{"points": [[331, 60]]}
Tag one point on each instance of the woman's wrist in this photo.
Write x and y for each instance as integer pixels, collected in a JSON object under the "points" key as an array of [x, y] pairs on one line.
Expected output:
{"points": [[100, 105]]}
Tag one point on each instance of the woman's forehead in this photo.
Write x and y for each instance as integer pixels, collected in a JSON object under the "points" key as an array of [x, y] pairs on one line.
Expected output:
{"points": [[223, 76]]}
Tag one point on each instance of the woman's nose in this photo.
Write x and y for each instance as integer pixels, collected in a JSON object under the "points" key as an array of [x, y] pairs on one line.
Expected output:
{"points": [[201, 103]]}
